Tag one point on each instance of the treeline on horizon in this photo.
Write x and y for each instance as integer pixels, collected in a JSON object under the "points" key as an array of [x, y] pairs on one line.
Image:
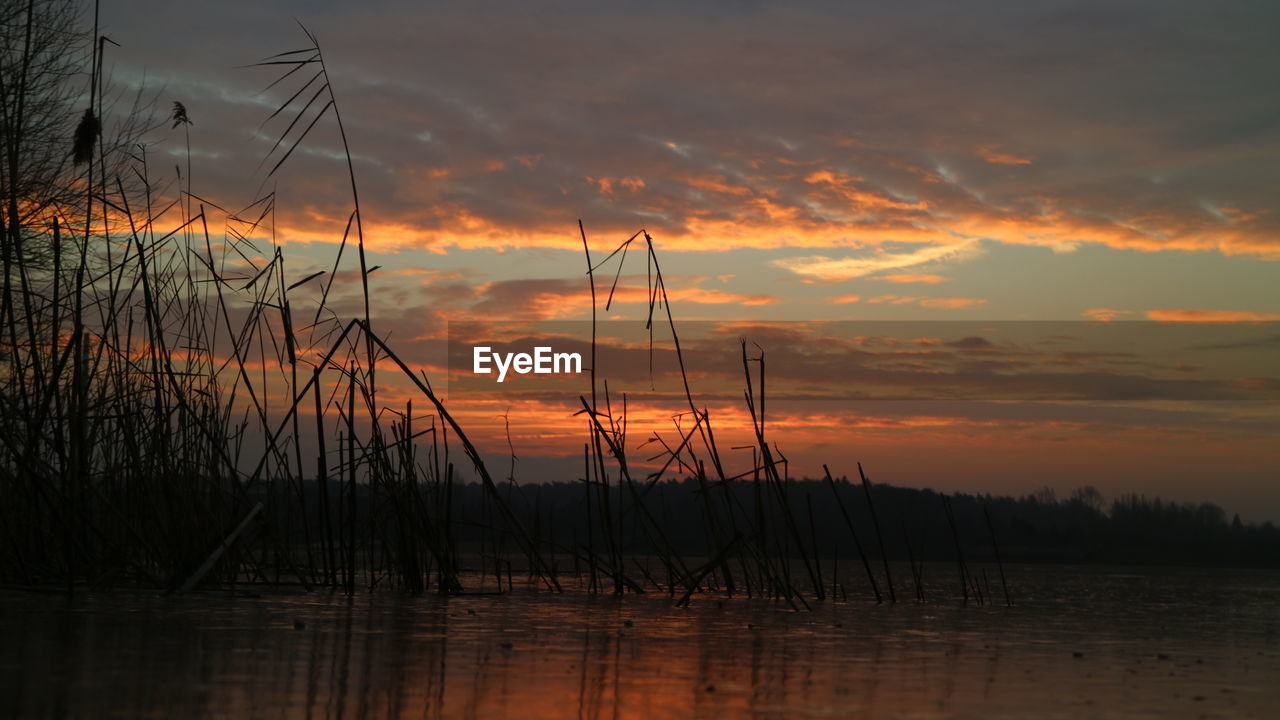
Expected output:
{"points": [[1034, 528]]}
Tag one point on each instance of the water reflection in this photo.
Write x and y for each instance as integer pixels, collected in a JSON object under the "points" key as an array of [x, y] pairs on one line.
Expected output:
{"points": [[1165, 644]]}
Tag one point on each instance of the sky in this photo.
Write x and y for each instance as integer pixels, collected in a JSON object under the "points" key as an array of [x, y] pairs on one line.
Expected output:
{"points": [[961, 165]]}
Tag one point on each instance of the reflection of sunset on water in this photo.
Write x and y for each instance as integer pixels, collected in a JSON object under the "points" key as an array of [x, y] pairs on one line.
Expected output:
{"points": [[534, 657]]}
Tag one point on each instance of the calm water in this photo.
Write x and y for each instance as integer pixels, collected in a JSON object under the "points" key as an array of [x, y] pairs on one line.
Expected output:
{"points": [[1079, 642]]}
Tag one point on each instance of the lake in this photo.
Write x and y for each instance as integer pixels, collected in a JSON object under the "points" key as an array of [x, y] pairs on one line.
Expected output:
{"points": [[1078, 642]]}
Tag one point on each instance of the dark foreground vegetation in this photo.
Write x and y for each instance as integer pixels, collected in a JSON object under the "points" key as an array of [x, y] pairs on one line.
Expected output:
{"points": [[178, 409]]}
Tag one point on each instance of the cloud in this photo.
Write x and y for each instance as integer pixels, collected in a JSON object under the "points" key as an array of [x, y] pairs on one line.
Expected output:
{"points": [[1270, 342], [967, 362], [971, 342], [1212, 316], [853, 194], [993, 155], [952, 303], [607, 185], [845, 299], [907, 278], [473, 133], [944, 303], [1104, 314], [550, 298], [826, 269]]}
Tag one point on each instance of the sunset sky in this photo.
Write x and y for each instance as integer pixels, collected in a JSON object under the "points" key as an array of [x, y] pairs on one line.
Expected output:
{"points": [[957, 163]]}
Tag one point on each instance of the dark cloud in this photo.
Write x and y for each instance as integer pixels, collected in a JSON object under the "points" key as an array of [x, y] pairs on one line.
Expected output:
{"points": [[1268, 342], [809, 360], [972, 342], [1146, 125]]}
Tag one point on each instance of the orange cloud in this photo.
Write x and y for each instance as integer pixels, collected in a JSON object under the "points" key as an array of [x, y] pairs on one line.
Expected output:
{"points": [[908, 278], [607, 185], [774, 208], [845, 299], [1104, 314], [852, 190], [893, 299], [827, 269], [715, 184], [704, 296], [952, 303], [556, 298], [1212, 316], [944, 303], [993, 155]]}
